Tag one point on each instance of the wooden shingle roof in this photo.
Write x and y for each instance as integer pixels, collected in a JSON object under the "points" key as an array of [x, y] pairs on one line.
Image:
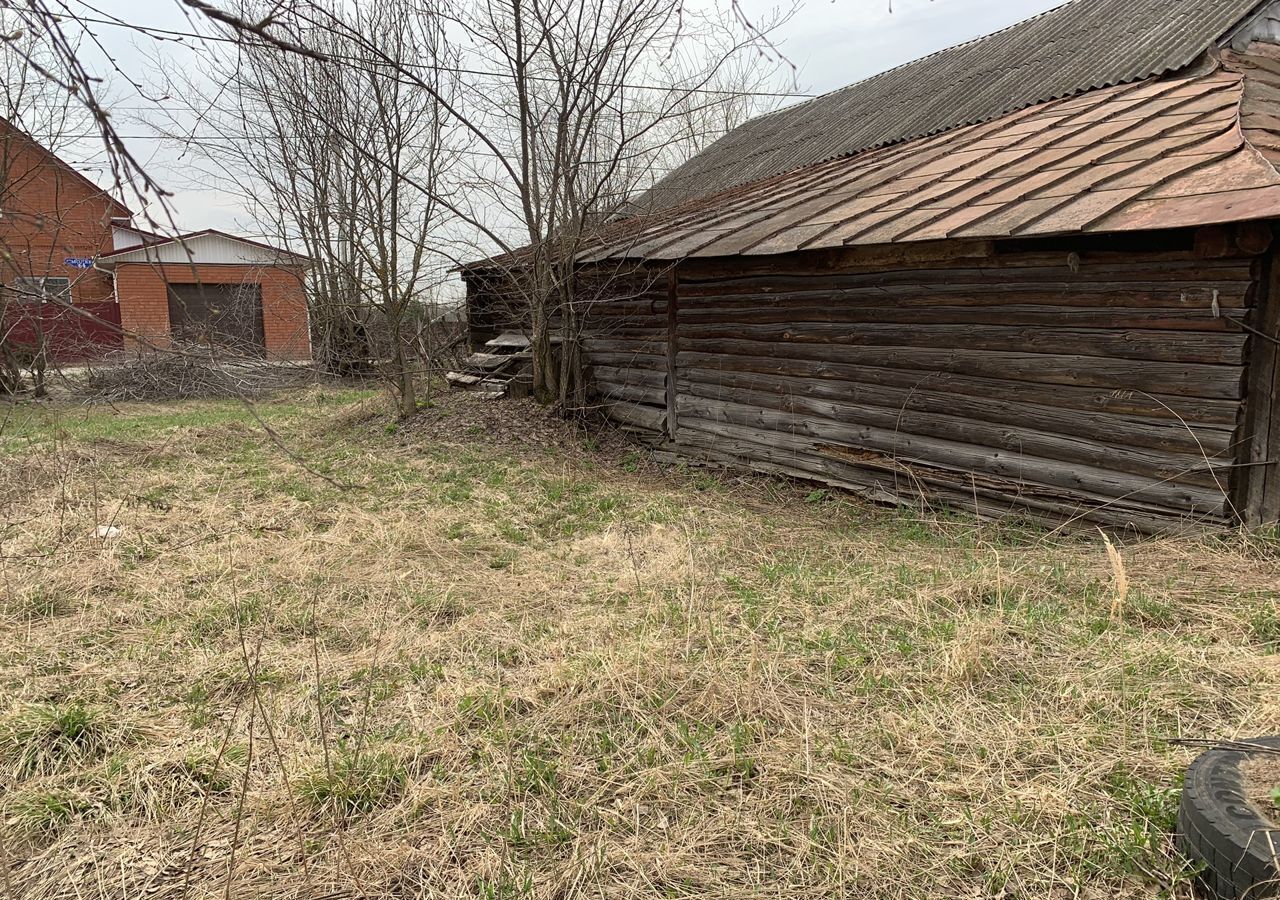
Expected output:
{"points": [[1080, 46]]}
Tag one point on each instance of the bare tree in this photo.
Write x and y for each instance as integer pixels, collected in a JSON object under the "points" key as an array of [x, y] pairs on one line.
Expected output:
{"points": [[569, 107], [336, 153], [592, 101]]}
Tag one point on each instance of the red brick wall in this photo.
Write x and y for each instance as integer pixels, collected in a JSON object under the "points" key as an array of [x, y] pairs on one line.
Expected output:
{"points": [[49, 213], [144, 301]]}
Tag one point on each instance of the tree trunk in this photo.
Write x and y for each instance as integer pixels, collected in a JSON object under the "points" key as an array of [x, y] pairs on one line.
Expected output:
{"points": [[404, 375], [10, 371], [545, 380], [572, 384]]}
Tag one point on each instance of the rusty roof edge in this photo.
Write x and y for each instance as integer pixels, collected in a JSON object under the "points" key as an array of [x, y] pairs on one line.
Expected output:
{"points": [[1203, 59], [644, 239], [640, 233]]}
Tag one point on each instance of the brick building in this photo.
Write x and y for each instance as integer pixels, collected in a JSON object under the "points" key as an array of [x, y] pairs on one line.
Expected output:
{"points": [[65, 240], [54, 223], [210, 288]]}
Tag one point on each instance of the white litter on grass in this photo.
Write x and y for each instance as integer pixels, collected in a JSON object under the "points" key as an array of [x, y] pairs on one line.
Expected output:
{"points": [[107, 531]]}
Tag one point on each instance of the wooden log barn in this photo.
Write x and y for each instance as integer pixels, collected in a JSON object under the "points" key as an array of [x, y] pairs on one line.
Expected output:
{"points": [[1034, 273]]}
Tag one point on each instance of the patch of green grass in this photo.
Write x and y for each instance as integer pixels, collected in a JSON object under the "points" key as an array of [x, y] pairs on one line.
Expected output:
{"points": [[504, 887], [157, 497], [46, 739], [484, 708], [196, 699], [41, 602], [631, 462], [218, 619], [430, 609], [551, 832], [45, 811], [1136, 837], [1264, 624], [358, 783], [536, 773], [214, 775], [424, 669], [504, 559], [41, 426], [513, 532]]}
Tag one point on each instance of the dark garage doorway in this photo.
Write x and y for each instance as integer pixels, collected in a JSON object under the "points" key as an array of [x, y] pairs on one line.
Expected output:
{"points": [[218, 316]]}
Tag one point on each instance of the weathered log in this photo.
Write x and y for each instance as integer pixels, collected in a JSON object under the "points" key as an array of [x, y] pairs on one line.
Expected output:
{"points": [[624, 375], [1148, 404], [1001, 265], [924, 487], [1184, 347], [1024, 475], [627, 360], [1112, 428], [646, 418], [635, 393], [1182, 379], [1188, 318], [1231, 296], [1178, 468]]}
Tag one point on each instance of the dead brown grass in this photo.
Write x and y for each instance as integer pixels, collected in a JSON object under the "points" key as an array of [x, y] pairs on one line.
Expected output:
{"points": [[510, 672]]}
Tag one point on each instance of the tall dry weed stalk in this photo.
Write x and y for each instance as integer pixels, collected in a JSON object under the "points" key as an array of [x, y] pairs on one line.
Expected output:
{"points": [[1121, 576]]}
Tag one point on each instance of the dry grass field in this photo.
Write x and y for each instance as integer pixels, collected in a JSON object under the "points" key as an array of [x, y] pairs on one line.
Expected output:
{"points": [[347, 657]]}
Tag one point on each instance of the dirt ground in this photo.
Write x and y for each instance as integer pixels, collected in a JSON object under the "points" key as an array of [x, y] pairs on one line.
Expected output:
{"points": [[307, 650]]}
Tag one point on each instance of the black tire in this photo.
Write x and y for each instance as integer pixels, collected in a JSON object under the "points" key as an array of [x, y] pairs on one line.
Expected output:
{"points": [[1217, 826]]}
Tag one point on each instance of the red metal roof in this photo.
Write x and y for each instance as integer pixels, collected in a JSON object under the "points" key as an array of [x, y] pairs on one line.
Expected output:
{"points": [[1161, 153]]}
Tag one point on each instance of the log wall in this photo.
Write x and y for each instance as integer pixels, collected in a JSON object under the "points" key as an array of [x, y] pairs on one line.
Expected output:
{"points": [[1097, 384]]}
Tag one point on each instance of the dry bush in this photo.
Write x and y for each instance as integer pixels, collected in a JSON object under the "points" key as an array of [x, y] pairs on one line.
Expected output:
{"points": [[159, 376], [520, 673]]}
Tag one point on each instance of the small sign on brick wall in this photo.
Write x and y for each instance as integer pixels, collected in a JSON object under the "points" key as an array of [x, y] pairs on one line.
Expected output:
{"points": [[79, 262]]}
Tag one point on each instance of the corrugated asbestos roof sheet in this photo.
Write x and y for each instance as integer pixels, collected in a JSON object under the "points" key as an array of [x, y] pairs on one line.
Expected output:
{"points": [[1080, 46], [1161, 153]]}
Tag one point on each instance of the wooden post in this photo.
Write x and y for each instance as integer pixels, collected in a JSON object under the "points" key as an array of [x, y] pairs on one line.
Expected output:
{"points": [[1257, 497], [673, 306]]}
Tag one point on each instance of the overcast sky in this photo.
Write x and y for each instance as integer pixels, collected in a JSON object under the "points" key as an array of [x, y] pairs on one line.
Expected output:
{"points": [[832, 43]]}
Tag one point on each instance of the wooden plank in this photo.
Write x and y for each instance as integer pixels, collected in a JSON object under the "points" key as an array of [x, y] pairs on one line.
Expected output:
{"points": [[626, 360], [1023, 472], [1149, 405], [1177, 468], [1231, 296], [636, 393], [1105, 427], [645, 418], [1180, 379], [1257, 497], [623, 344], [1188, 318], [1060, 277], [673, 340], [1231, 293], [619, 375], [1031, 255], [1183, 347], [887, 257], [922, 486]]}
